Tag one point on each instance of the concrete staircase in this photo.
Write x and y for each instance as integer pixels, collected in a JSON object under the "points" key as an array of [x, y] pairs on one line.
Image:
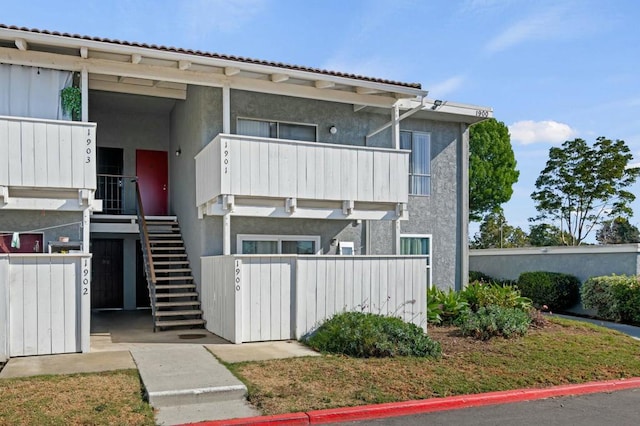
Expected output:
{"points": [[174, 298]]}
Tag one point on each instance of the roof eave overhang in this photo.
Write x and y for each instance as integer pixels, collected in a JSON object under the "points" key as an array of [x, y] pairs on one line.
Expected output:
{"points": [[61, 41]]}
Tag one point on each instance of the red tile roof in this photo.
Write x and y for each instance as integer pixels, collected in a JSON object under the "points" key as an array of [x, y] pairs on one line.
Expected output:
{"points": [[217, 56]]}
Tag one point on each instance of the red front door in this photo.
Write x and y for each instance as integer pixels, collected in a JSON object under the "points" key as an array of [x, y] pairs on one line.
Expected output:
{"points": [[152, 169]]}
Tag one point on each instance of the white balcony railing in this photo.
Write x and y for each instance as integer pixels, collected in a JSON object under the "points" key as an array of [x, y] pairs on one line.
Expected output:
{"points": [[252, 167], [37, 153]]}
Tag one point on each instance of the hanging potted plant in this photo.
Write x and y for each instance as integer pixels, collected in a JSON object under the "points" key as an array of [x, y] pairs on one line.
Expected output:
{"points": [[71, 99]]}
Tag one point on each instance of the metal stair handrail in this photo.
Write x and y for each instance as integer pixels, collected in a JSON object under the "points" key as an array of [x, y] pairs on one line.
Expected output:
{"points": [[146, 252]]}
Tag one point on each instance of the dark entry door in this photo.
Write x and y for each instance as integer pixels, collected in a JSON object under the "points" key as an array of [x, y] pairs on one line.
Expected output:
{"points": [[152, 169], [107, 278]]}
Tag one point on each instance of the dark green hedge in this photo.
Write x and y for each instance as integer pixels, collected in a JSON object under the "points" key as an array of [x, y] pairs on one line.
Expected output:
{"points": [[615, 297], [554, 290]]}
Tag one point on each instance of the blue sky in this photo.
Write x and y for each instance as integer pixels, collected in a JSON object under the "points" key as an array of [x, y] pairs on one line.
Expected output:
{"points": [[552, 70]]}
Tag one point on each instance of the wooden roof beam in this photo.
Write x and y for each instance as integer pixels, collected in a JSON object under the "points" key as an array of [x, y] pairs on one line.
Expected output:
{"points": [[231, 71], [84, 52], [323, 84], [184, 65], [136, 58], [22, 44], [279, 78]]}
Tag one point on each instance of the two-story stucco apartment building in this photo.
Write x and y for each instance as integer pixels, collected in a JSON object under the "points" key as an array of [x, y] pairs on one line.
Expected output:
{"points": [[255, 197]]}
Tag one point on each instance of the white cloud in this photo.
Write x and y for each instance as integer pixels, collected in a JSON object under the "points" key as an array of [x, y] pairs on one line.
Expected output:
{"points": [[527, 132], [550, 23], [443, 88]]}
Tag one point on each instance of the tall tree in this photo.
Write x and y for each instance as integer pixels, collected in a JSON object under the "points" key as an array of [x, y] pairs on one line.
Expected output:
{"points": [[583, 185], [492, 167], [495, 232], [543, 234], [618, 231]]}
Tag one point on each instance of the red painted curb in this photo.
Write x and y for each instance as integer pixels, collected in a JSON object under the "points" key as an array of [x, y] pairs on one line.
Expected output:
{"points": [[405, 408], [278, 419], [394, 409]]}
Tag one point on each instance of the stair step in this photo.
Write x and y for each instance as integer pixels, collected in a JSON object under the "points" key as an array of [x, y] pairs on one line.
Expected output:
{"points": [[169, 255], [180, 242], [177, 303], [161, 222], [174, 270], [188, 294], [170, 262], [176, 323], [181, 248], [178, 278], [174, 286], [176, 313], [163, 235]]}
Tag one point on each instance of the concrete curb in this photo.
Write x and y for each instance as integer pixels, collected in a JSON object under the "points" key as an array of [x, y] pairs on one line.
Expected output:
{"points": [[405, 408]]}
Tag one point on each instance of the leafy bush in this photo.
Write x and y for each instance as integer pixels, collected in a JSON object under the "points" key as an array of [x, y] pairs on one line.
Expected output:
{"points": [[478, 295], [481, 277], [365, 335], [445, 307], [553, 289], [615, 298], [491, 321]]}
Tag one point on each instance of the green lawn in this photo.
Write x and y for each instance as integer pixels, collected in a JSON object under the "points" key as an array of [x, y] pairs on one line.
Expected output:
{"points": [[113, 398], [561, 353]]}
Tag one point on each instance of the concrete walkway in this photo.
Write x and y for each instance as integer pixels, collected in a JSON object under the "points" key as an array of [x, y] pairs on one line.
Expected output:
{"points": [[182, 378], [185, 383], [630, 330]]}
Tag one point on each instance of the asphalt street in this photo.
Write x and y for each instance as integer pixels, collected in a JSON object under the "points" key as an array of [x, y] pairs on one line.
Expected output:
{"points": [[619, 408]]}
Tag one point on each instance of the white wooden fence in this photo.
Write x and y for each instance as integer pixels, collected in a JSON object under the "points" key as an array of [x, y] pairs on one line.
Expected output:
{"points": [[39, 153], [262, 298], [263, 167], [45, 308]]}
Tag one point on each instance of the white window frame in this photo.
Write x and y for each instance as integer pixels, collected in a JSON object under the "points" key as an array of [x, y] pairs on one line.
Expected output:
{"points": [[278, 123], [429, 256], [278, 238], [411, 189]]}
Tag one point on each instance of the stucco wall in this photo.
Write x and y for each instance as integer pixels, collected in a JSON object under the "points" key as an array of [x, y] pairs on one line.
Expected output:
{"points": [[197, 120], [583, 262], [194, 123], [352, 126], [439, 214]]}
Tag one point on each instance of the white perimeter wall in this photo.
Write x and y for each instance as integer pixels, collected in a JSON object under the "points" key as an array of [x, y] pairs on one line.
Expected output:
{"points": [[262, 298], [45, 308]]}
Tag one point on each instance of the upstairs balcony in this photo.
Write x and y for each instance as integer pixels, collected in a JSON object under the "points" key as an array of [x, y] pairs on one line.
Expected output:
{"points": [[47, 164], [252, 176]]}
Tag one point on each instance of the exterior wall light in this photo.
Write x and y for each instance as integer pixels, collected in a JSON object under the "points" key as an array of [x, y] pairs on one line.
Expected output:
{"points": [[178, 152], [333, 130], [436, 103]]}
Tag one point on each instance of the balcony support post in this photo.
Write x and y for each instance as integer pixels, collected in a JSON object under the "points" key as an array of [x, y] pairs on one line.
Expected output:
{"points": [[226, 234], [84, 88], [291, 204], [226, 109], [396, 236], [4, 194]]}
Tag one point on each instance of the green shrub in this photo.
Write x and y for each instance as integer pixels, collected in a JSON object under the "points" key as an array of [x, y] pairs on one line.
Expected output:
{"points": [[446, 307], [434, 308], [615, 298], [478, 295], [366, 335], [491, 321], [555, 290], [481, 277]]}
